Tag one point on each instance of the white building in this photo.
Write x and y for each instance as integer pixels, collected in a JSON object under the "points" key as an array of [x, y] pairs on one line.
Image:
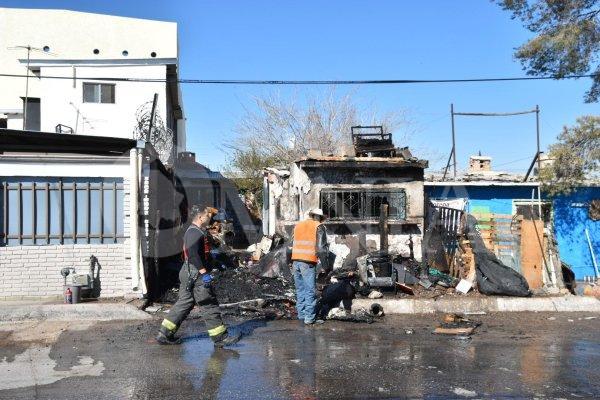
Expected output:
{"points": [[80, 186], [70, 44]]}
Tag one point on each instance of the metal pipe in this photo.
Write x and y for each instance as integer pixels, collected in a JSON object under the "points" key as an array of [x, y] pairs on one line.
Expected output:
{"points": [[133, 218], [26, 90], [537, 155], [587, 235], [448, 164], [453, 138], [540, 241], [141, 269], [152, 114], [539, 202], [537, 131], [383, 228]]}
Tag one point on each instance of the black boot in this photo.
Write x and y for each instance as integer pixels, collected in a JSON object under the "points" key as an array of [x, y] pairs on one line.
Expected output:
{"points": [[225, 339], [166, 336]]}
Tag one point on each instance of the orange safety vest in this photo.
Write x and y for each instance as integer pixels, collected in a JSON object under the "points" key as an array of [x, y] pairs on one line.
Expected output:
{"points": [[304, 247]]}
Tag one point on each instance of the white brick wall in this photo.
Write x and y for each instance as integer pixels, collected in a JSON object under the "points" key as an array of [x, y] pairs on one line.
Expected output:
{"points": [[34, 271]]}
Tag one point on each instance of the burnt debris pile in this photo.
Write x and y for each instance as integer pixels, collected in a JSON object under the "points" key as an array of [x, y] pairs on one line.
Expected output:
{"points": [[240, 284]]}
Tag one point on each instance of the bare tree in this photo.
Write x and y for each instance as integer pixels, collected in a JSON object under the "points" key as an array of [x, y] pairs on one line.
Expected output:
{"points": [[277, 131], [286, 130]]}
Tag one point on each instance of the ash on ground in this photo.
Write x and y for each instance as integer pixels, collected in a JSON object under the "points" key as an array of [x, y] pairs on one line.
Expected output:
{"points": [[235, 285], [242, 293]]}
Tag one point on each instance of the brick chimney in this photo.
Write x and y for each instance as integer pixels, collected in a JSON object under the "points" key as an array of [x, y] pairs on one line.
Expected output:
{"points": [[479, 164]]}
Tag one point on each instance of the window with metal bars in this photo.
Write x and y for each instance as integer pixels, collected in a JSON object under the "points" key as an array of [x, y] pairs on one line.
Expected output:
{"points": [[363, 204], [42, 211]]}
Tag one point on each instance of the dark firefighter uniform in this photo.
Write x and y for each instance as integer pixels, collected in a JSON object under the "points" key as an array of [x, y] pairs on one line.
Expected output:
{"points": [[196, 251]]}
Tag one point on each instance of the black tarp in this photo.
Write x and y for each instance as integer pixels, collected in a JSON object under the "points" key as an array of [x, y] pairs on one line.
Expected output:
{"points": [[493, 277]]}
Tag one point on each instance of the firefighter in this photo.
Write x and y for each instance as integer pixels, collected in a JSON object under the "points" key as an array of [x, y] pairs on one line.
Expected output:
{"points": [[309, 248], [196, 285]]}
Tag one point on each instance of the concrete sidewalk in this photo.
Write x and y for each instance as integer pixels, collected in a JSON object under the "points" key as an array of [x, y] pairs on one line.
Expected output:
{"points": [[12, 311], [484, 304]]}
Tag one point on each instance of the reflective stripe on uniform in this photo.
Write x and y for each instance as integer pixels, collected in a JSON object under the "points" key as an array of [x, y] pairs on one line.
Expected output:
{"points": [[305, 242], [169, 325], [217, 331], [303, 251], [304, 247]]}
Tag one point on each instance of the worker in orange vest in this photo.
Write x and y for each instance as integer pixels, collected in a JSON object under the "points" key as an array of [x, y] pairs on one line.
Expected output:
{"points": [[308, 249]]}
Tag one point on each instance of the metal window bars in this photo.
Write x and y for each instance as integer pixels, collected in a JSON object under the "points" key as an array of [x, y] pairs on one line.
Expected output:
{"points": [[47, 199], [362, 204]]}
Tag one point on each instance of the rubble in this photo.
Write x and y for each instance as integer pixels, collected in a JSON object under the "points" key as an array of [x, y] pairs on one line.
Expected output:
{"points": [[260, 282], [359, 315], [454, 324], [375, 294], [239, 284]]}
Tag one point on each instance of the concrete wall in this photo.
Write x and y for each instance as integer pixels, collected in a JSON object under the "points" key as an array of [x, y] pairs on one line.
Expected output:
{"points": [[62, 100], [351, 238]]}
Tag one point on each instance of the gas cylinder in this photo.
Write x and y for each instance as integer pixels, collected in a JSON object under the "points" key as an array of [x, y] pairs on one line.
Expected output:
{"points": [[68, 296]]}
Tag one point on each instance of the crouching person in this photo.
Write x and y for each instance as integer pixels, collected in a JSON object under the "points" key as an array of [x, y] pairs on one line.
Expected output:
{"points": [[196, 286], [342, 290]]}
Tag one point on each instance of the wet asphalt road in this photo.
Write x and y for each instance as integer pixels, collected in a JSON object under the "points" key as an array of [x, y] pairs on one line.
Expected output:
{"points": [[509, 356]]}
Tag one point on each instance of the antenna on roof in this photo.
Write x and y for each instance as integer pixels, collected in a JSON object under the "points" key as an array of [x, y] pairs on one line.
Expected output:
{"points": [[29, 50]]}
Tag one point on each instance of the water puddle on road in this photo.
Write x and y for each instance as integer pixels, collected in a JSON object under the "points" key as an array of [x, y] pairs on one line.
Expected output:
{"points": [[34, 367]]}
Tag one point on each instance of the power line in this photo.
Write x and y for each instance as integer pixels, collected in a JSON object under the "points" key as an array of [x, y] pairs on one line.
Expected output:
{"points": [[507, 114], [308, 82], [512, 162]]}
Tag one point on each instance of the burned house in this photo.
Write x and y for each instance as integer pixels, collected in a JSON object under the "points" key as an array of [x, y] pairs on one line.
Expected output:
{"points": [[352, 190]]}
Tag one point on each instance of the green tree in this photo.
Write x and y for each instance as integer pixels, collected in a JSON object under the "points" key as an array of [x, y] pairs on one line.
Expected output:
{"points": [[567, 40], [574, 158], [245, 169]]}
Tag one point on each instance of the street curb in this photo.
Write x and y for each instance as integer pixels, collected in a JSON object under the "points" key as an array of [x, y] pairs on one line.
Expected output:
{"points": [[486, 304], [70, 312]]}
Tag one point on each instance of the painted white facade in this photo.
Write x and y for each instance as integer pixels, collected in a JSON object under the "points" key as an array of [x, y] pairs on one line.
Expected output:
{"points": [[87, 45], [62, 102]]}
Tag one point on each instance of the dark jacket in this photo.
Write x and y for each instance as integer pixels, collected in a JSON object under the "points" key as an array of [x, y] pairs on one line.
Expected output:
{"points": [[195, 247]]}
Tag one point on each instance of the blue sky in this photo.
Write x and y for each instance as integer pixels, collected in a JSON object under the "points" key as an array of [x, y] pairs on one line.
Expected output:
{"points": [[354, 39]]}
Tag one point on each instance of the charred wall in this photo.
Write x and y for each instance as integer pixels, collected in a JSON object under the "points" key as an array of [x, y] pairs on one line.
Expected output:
{"points": [[350, 238]]}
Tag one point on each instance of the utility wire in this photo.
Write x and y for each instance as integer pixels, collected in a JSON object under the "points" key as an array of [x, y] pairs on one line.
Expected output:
{"points": [[512, 162], [306, 82], [474, 114]]}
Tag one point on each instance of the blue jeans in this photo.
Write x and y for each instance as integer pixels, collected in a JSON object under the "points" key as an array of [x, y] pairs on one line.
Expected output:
{"points": [[305, 281]]}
